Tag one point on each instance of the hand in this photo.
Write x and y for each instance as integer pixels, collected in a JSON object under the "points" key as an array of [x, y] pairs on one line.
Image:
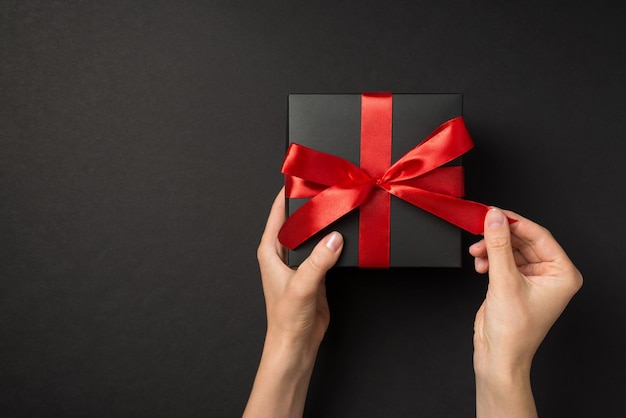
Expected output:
{"points": [[531, 281], [297, 310], [297, 319]]}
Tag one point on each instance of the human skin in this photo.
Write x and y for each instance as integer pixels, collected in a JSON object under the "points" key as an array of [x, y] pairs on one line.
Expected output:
{"points": [[531, 281], [297, 319]]}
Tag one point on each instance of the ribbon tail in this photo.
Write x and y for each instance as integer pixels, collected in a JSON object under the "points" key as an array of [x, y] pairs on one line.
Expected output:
{"points": [[322, 210], [465, 214], [442, 180]]}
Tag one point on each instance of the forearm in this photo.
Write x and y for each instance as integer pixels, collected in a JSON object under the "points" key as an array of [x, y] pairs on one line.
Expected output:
{"points": [[282, 381], [504, 393]]}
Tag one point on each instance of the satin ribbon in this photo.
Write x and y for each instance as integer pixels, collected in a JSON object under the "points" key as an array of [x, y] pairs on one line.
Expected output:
{"points": [[336, 186]]}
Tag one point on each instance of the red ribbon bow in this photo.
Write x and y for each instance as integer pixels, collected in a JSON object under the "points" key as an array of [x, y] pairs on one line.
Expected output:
{"points": [[337, 186]]}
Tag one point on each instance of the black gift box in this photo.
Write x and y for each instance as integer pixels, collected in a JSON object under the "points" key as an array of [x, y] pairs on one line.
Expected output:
{"points": [[332, 124]]}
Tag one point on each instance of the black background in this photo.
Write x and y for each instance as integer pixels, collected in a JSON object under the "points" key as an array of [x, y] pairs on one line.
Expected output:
{"points": [[140, 147]]}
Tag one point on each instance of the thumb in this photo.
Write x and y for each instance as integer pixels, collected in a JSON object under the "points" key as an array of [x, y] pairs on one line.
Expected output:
{"points": [[499, 250], [322, 258]]}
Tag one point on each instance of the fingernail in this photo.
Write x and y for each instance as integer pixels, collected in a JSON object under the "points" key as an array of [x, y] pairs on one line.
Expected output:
{"points": [[495, 218], [333, 241]]}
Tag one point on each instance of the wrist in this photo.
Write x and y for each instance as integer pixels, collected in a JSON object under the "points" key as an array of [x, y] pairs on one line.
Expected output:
{"points": [[502, 381], [503, 388], [490, 366], [505, 395], [281, 383], [289, 355]]}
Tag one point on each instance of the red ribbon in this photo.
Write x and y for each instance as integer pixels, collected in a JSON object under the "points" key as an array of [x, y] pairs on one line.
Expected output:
{"points": [[337, 186]]}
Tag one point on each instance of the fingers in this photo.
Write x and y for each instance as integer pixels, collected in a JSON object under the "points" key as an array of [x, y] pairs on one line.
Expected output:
{"points": [[533, 240], [478, 249], [499, 250], [481, 265], [322, 258], [276, 218], [481, 262], [269, 246]]}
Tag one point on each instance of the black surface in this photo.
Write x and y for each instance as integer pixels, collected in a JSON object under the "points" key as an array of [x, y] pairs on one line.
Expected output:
{"points": [[331, 123], [140, 147]]}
